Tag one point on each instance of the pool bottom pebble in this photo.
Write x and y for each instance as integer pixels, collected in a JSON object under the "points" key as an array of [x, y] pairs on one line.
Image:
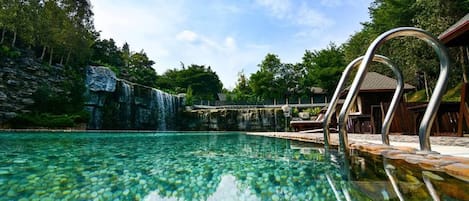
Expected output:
{"points": [[194, 166]]}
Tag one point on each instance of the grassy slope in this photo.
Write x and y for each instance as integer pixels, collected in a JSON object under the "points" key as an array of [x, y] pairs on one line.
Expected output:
{"points": [[451, 95]]}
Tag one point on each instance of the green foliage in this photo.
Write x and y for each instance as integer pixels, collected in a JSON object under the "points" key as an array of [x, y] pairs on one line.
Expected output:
{"points": [[105, 52], [295, 112], [324, 67], [63, 29], [204, 82], [69, 100], [418, 96], [410, 55], [242, 93], [52, 109], [5, 51], [262, 84], [189, 97], [453, 94], [132, 66], [45, 120], [141, 70], [275, 79], [313, 111]]}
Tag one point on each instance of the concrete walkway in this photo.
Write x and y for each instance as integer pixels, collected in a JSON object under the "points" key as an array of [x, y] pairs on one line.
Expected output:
{"points": [[454, 146]]}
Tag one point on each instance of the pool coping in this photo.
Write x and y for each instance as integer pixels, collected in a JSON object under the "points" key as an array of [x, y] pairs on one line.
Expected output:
{"points": [[449, 157]]}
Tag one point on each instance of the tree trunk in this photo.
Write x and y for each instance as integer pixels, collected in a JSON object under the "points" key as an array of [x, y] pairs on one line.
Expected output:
{"points": [[50, 57], [464, 62], [3, 35], [14, 39], [427, 91], [68, 57], [43, 53], [61, 59]]}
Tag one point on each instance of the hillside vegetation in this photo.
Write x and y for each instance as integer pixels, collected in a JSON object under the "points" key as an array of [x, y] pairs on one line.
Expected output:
{"points": [[61, 34]]}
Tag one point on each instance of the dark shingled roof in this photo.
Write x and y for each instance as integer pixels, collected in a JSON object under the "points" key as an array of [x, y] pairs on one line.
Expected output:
{"points": [[457, 34], [375, 82]]}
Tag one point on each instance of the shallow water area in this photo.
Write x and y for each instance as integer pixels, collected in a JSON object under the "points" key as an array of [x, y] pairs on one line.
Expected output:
{"points": [[186, 166]]}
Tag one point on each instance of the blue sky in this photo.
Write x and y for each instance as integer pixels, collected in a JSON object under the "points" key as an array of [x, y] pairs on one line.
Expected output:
{"points": [[229, 35]]}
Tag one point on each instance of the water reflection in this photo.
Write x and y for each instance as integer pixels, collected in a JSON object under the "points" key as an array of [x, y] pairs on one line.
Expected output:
{"points": [[202, 166], [228, 189]]}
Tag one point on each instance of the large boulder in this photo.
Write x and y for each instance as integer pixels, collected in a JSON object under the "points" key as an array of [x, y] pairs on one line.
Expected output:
{"points": [[100, 78]]}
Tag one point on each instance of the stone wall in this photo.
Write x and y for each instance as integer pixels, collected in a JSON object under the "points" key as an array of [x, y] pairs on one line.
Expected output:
{"points": [[118, 104], [19, 79], [246, 119]]}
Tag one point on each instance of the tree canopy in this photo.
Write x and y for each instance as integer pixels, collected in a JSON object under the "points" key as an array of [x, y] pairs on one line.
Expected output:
{"points": [[410, 55], [203, 82], [62, 32], [63, 29], [322, 68]]}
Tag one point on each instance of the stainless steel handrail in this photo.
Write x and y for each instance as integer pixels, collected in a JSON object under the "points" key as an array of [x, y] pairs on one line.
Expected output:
{"points": [[435, 100], [390, 170], [340, 86]]}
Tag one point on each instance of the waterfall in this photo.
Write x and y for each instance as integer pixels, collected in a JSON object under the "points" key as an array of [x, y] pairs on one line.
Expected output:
{"points": [[119, 104], [158, 100], [238, 119], [165, 108], [125, 99]]}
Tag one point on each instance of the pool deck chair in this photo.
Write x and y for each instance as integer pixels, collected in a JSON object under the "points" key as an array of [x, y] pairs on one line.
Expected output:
{"points": [[308, 125]]}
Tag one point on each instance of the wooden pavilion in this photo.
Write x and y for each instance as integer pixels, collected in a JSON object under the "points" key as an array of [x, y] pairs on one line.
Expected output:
{"points": [[372, 103], [457, 36]]}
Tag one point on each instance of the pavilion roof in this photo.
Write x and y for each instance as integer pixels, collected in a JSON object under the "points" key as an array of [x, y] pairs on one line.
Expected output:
{"points": [[457, 34], [375, 82]]}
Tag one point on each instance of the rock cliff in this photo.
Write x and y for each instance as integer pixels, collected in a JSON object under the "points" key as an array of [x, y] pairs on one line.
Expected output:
{"points": [[243, 119], [118, 104], [19, 80]]}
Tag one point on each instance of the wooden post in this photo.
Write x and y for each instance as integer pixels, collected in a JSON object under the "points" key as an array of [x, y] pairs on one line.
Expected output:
{"points": [[463, 116]]}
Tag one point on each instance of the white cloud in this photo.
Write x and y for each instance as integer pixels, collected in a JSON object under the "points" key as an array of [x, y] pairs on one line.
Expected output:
{"points": [[187, 36], [222, 54], [299, 14], [279, 8], [311, 18], [331, 3], [230, 43], [228, 36]]}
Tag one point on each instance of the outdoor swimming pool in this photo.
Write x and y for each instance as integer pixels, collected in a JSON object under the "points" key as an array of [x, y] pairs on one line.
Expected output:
{"points": [[195, 166]]}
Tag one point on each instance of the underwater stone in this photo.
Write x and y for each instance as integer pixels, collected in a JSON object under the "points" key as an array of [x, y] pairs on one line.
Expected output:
{"points": [[458, 170], [3, 96], [432, 175]]}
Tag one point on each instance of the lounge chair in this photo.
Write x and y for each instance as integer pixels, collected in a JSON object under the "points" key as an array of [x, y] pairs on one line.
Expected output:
{"points": [[301, 125]]}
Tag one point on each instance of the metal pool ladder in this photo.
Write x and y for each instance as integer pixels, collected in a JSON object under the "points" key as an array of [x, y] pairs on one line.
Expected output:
{"points": [[433, 104], [393, 106]]}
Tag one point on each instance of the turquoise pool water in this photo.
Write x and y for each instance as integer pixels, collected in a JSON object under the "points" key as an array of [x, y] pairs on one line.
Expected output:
{"points": [[174, 166]]}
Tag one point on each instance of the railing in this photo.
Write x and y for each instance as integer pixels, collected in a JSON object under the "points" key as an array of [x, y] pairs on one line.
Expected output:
{"points": [[335, 98], [435, 100]]}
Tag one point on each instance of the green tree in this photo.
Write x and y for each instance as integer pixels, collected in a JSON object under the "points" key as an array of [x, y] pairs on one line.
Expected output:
{"points": [[242, 92], [264, 83], [410, 55], [324, 67], [105, 52], [388, 14], [141, 70], [204, 82]]}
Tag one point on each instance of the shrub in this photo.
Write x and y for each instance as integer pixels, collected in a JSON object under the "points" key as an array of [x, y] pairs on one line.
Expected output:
{"points": [[7, 52], [313, 111], [46, 120]]}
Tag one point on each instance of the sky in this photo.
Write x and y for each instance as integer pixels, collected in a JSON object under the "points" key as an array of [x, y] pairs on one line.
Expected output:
{"points": [[230, 36]]}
